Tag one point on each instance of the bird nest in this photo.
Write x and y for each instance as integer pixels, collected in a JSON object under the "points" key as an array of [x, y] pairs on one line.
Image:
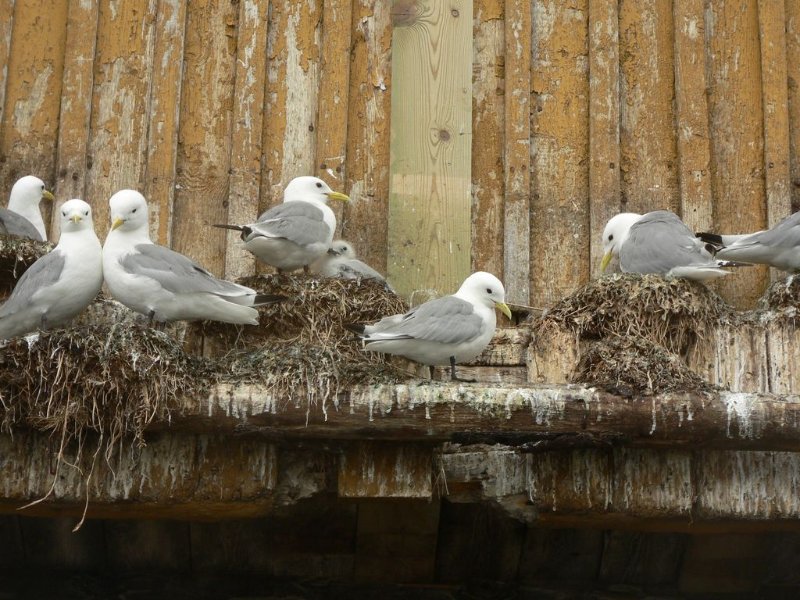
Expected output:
{"points": [[16, 255], [651, 322], [782, 299]]}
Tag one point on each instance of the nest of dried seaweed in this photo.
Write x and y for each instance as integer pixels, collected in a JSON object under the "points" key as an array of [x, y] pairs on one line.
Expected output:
{"points": [[782, 299], [635, 365], [672, 313], [16, 255]]}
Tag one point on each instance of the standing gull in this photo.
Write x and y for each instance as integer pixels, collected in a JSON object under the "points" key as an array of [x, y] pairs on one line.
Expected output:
{"points": [[23, 218], [60, 284], [778, 247], [340, 261], [659, 242], [161, 283], [447, 330], [296, 233]]}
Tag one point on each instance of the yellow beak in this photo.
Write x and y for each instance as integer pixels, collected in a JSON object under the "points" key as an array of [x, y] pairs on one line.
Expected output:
{"points": [[338, 196], [75, 219], [503, 308], [605, 261], [117, 222], [46, 195]]}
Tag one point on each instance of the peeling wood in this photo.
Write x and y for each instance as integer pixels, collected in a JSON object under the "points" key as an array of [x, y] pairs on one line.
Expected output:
{"points": [[691, 107], [604, 135], [246, 137]]}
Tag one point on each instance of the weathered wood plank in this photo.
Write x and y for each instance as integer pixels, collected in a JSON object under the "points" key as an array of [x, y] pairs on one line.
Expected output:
{"points": [[691, 106], [640, 558], [724, 564], [517, 151], [75, 116], [246, 137], [375, 470], [604, 140], [736, 120], [120, 102], [793, 58], [430, 180], [367, 162], [204, 148], [560, 227], [334, 98], [164, 114], [488, 116], [775, 98], [142, 545], [648, 152], [33, 77], [51, 544], [290, 109], [6, 27]]}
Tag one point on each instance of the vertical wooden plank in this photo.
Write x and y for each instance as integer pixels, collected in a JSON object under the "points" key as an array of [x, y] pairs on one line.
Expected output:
{"points": [[648, 150], [204, 142], [334, 96], [385, 470], [120, 102], [34, 71], [604, 190], [291, 96], [691, 105], [735, 106], [76, 106], [367, 164], [488, 117], [248, 105], [431, 138], [793, 58], [6, 26], [775, 97], [560, 155], [165, 103], [517, 151]]}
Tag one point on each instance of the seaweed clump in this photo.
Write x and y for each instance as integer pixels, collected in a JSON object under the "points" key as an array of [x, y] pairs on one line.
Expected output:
{"points": [[632, 330]]}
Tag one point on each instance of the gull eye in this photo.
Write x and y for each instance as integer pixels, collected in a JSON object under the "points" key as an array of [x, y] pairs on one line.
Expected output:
{"points": [[63, 214], [319, 185], [134, 210], [86, 212], [611, 237], [488, 290]]}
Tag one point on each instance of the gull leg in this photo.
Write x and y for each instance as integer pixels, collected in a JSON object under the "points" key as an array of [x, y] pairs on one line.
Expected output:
{"points": [[453, 376]]}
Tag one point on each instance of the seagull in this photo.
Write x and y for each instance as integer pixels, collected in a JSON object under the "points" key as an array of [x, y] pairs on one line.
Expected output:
{"points": [[447, 330], [23, 218], [340, 261], [778, 247], [659, 242], [296, 233], [163, 284], [61, 283]]}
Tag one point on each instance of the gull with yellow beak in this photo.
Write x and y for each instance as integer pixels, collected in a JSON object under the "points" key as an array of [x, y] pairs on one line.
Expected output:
{"points": [[23, 218], [448, 330], [296, 233], [659, 242], [60, 284], [163, 284]]}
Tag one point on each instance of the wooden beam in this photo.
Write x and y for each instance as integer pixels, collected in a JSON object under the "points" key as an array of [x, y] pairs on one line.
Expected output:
{"points": [[431, 138], [6, 27], [793, 58], [380, 470]]}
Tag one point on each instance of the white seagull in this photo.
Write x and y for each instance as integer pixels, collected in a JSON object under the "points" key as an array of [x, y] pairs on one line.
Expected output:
{"points": [[296, 233], [778, 247], [163, 284], [659, 242], [340, 261], [23, 218], [447, 330], [61, 283]]}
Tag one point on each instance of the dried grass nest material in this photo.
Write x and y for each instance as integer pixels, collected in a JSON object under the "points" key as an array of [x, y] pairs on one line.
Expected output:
{"points": [[782, 299], [16, 255], [634, 365], [668, 312]]}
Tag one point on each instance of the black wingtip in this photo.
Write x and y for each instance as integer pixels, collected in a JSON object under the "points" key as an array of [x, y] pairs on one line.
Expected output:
{"points": [[732, 263], [710, 238], [225, 226], [266, 299], [357, 328]]}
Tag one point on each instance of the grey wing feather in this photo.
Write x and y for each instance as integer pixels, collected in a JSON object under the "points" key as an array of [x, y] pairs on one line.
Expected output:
{"points": [[175, 272], [356, 269], [785, 234], [659, 242], [18, 226], [43, 273], [447, 320], [299, 222]]}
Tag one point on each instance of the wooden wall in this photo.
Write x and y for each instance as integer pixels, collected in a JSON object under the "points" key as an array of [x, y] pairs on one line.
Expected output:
{"points": [[579, 109]]}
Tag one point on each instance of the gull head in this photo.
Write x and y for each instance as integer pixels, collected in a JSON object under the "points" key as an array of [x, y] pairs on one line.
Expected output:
{"points": [[311, 188], [128, 210], [615, 234], [76, 215], [484, 288], [28, 191], [341, 248]]}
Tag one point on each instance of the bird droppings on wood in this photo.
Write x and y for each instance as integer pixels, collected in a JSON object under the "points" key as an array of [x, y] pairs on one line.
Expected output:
{"points": [[782, 299]]}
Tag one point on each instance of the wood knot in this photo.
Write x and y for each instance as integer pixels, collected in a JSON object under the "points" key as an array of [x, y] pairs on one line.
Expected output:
{"points": [[444, 135], [405, 13]]}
